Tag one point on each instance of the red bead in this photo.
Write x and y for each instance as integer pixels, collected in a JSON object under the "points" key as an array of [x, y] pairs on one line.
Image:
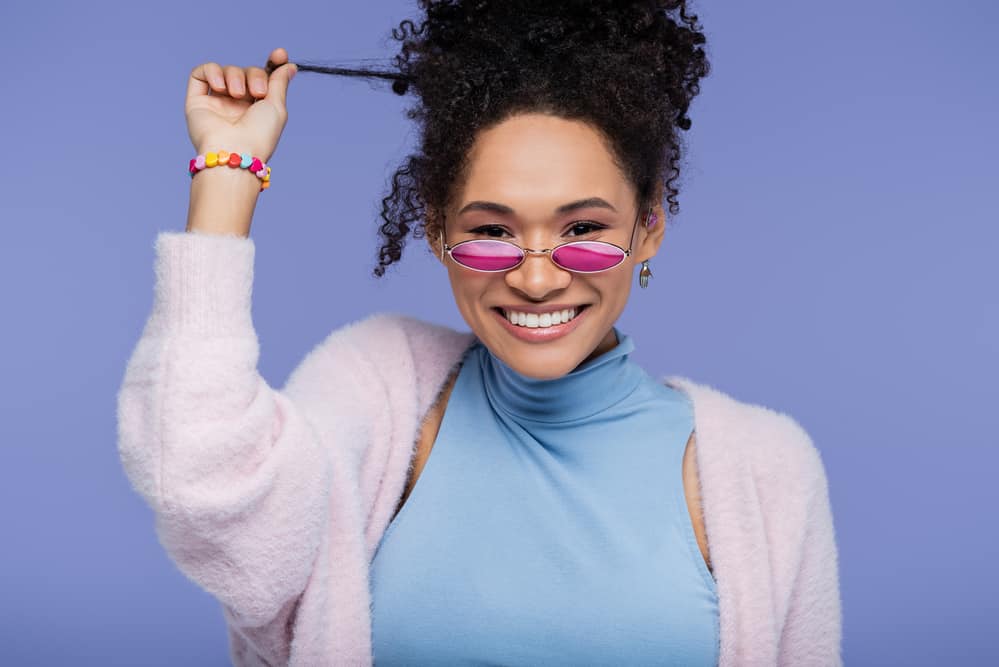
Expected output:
{"points": [[235, 159], [191, 168]]}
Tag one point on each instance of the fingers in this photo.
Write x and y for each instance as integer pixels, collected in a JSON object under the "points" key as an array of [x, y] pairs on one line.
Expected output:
{"points": [[279, 73], [206, 78], [235, 79], [241, 83], [277, 89], [256, 81], [276, 58]]}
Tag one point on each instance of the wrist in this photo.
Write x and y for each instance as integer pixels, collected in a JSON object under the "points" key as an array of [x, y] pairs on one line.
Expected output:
{"points": [[225, 183], [239, 146], [223, 201], [223, 160]]}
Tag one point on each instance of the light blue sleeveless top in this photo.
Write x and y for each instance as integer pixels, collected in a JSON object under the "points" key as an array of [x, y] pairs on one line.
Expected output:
{"points": [[549, 527]]}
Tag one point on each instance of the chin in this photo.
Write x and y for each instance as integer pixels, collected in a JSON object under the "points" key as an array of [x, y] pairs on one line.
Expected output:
{"points": [[540, 353], [539, 369]]}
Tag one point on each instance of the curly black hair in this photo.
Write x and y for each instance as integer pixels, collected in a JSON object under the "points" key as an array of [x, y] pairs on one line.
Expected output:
{"points": [[630, 69]]}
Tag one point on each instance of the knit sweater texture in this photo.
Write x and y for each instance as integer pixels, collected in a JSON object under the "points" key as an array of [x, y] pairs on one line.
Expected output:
{"points": [[274, 500]]}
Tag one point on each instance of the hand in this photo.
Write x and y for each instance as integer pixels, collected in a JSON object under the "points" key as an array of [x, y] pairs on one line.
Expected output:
{"points": [[240, 110]]}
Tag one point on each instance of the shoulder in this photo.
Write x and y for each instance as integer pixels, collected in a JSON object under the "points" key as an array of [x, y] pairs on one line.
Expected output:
{"points": [[392, 340], [402, 358], [389, 340], [737, 436], [387, 327]]}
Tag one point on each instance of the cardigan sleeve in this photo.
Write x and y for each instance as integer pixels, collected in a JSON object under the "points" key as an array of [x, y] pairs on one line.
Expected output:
{"points": [[812, 633], [232, 468]]}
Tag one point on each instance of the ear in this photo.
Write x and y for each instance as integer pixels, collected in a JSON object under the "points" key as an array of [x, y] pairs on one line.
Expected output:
{"points": [[433, 226], [648, 241]]}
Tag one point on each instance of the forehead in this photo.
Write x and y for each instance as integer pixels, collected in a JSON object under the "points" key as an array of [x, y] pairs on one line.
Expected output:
{"points": [[538, 161]]}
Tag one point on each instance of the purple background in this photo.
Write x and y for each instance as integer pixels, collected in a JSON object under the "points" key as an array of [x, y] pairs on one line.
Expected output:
{"points": [[834, 258]]}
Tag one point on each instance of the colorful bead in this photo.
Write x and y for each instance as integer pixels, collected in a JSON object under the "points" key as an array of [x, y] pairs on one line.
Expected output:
{"points": [[235, 160]]}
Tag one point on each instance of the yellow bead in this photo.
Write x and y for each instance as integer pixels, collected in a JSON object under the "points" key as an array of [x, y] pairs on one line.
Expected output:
{"points": [[211, 159], [266, 178], [223, 157]]}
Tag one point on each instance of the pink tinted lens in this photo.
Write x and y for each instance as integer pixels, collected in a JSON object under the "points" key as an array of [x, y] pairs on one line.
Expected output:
{"points": [[486, 255], [588, 256]]}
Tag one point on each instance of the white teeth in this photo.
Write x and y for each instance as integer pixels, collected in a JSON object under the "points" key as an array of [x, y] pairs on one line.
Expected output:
{"points": [[542, 320]]}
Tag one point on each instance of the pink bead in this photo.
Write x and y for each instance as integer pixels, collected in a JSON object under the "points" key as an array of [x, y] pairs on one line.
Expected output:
{"points": [[261, 173], [199, 162], [191, 167], [256, 165]]}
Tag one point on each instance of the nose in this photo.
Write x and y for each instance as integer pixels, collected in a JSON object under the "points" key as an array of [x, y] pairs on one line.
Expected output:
{"points": [[538, 276]]}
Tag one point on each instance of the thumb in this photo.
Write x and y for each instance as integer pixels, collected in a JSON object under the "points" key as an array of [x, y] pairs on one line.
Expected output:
{"points": [[277, 84]]}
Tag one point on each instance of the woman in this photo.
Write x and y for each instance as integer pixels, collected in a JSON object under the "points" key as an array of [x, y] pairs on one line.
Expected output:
{"points": [[519, 494]]}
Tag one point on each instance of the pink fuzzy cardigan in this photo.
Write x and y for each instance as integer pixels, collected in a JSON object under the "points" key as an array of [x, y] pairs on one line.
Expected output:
{"points": [[275, 500]]}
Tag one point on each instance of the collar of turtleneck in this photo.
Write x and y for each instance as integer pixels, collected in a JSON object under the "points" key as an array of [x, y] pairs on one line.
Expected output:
{"points": [[587, 390]]}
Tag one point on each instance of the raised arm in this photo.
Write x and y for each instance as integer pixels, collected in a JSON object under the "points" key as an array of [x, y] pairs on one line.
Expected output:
{"points": [[233, 470]]}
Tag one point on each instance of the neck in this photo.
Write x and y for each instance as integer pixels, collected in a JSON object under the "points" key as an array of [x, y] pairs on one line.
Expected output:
{"points": [[608, 343], [600, 381]]}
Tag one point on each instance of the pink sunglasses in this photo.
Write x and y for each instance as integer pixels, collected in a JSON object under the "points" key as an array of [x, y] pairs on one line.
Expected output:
{"points": [[494, 255]]}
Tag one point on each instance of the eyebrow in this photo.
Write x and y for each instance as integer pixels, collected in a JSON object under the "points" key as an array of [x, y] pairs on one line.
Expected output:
{"points": [[589, 202]]}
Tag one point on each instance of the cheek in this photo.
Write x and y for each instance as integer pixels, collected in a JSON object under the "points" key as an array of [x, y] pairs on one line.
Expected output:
{"points": [[469, 288], [614, 291], [612, 283]]}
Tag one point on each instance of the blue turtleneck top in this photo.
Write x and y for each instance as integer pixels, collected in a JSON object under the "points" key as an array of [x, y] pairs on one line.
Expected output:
{"points": [[549, 526]]}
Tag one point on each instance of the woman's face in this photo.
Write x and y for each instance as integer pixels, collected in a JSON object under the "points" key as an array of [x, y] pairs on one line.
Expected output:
{"points": [[521, 172]]}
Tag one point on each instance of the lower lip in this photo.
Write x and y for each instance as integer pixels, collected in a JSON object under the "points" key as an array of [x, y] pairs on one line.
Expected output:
{"points": [[538, 334]]}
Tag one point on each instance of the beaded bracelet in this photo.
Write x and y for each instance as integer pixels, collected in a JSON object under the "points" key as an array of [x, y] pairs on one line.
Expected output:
{"points": [[234, 160]]}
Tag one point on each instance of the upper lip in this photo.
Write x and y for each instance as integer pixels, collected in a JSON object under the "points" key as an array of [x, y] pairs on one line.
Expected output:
{"points": [[543, 308]]}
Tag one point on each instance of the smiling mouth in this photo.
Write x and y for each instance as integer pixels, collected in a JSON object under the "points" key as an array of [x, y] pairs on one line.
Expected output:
{"points": [[541, 320]]}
